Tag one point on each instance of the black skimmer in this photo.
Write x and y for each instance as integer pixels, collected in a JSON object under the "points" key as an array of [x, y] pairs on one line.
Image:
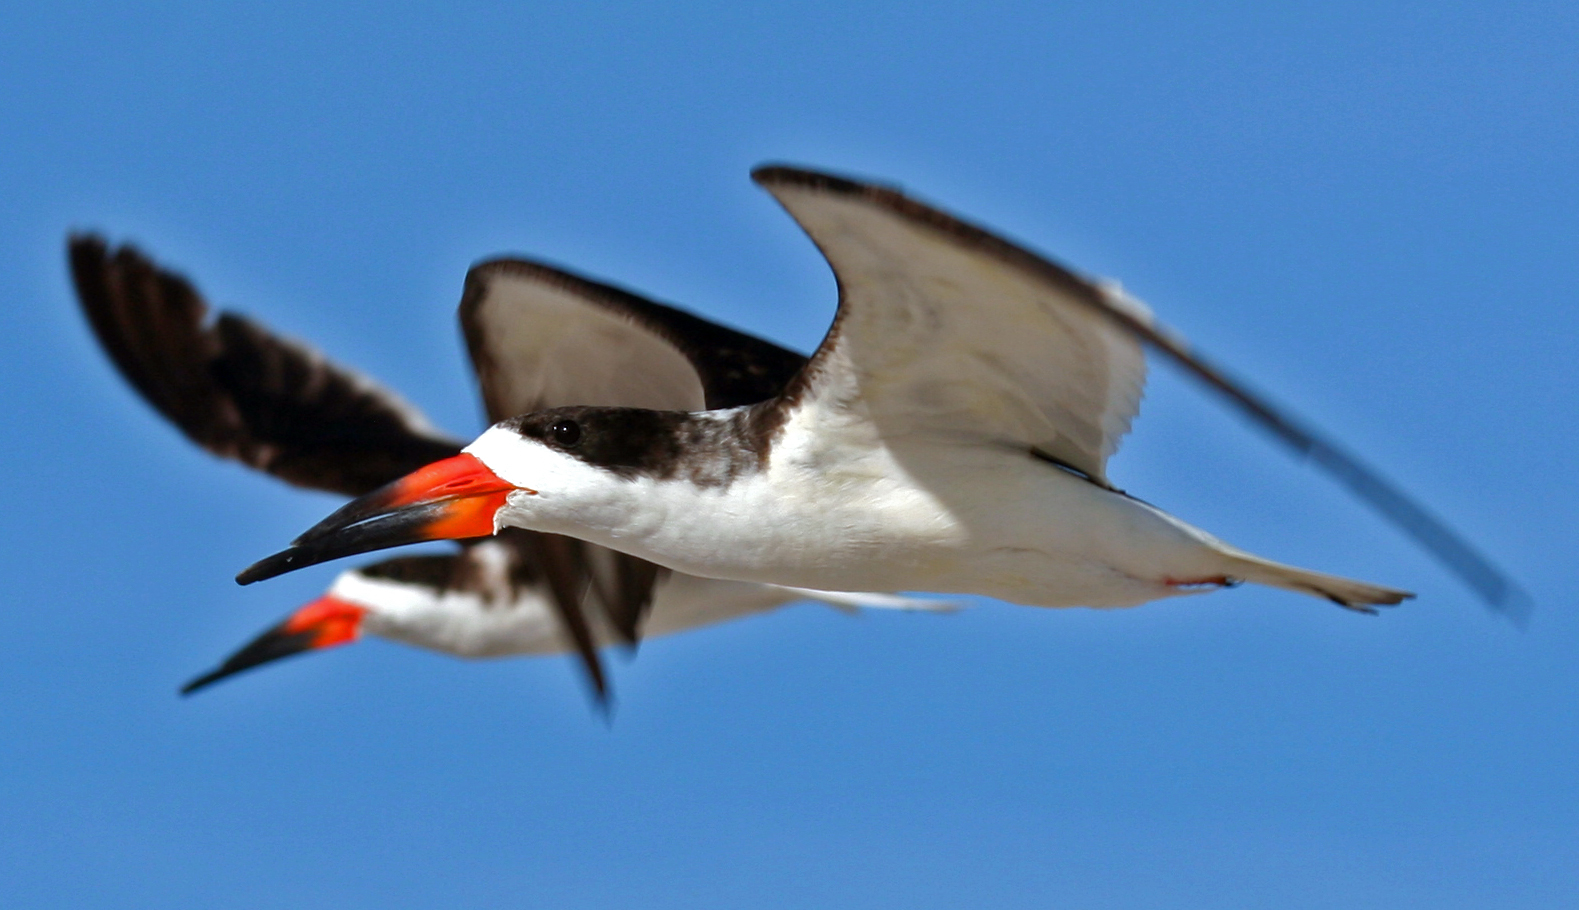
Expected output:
{"points": [[492, 600], [244, 393], [951, 433]]}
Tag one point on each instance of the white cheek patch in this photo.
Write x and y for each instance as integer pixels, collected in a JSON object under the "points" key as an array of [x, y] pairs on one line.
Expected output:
{"points": [[550, 485], [513, 458], [380, 596], [520, 501]]}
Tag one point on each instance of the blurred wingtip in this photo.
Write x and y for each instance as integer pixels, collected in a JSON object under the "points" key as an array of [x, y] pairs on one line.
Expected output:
{"points": [[1512, 603], [603, 707]]}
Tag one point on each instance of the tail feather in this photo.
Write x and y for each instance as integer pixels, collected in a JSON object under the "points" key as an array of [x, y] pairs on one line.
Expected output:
{"points": [[851, 601], [1345, 592]]}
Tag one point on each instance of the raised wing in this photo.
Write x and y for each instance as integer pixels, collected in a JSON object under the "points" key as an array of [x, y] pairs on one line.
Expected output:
{"points": [[950, 330], [240, 391], [946, 328], [541, 337]]}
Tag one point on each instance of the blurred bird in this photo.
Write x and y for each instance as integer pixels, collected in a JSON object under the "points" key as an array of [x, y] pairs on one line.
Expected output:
{"points": [[951, 433], [538, 336]]}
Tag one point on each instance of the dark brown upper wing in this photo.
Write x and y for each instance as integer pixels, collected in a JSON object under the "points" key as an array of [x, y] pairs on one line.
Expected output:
{"points": [[541, 337], [240, 391]]}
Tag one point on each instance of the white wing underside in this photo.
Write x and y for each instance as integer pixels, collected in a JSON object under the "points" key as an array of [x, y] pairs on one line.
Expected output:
{"points": [[944, 338], [944, 328]]}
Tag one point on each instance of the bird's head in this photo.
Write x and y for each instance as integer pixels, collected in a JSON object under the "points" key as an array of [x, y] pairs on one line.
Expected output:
{"points": [[326, 622], [474, 603], [565, 470]]}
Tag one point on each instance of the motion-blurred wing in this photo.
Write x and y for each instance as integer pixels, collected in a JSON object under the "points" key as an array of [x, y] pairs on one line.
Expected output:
{"points": [[240, 391]]}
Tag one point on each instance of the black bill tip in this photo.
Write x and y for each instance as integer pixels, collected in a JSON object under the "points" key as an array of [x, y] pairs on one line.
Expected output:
{"points": [[270, 646], [325, 623], [396, 528], [271, 566]]}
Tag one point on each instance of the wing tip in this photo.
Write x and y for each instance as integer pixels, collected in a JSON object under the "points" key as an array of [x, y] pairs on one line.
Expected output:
{"points": [[91, 250], [84, 243], [1511, 602], [777, 174]]}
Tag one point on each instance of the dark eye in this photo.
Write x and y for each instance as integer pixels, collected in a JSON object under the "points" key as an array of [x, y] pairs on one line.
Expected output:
{"points": [[566, 432]]}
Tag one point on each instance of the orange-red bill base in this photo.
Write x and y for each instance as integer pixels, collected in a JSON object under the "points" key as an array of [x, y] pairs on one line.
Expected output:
{"points": [[324, 623], [448, 500]]}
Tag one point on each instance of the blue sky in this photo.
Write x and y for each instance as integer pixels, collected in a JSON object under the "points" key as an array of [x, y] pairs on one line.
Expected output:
{"points": [[1370, 210]]}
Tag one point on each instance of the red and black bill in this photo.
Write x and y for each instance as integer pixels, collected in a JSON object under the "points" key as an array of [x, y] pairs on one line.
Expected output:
{"points": [[324, 623], [448, 500]]}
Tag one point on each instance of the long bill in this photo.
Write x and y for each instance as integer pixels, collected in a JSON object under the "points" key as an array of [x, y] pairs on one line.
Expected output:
{"points": [[325, 623], [447, 500]]}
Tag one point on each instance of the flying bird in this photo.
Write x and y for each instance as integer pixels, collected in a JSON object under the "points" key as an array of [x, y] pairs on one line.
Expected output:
{"points": [[951, 433], [247, 394], [489, 600]]}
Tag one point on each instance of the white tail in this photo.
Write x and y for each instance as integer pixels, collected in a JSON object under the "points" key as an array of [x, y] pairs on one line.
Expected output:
{"points": [[850, 601], [1345, 592]]}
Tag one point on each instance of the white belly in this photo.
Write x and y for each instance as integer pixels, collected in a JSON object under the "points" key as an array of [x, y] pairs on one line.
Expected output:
{"points": [[954, 520]]}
